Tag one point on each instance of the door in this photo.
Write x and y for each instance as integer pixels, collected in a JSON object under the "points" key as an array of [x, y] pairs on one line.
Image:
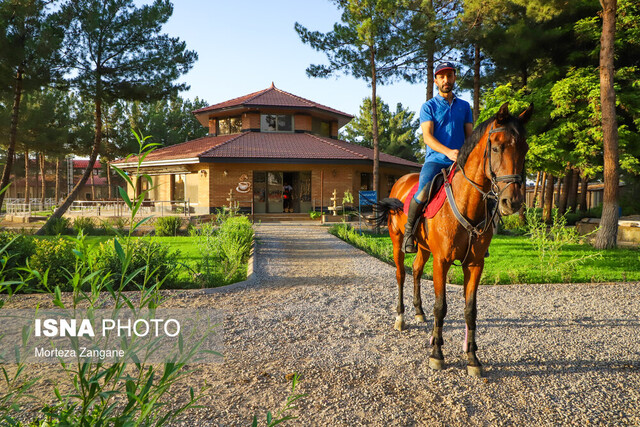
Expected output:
{"points": [[274, 191]]}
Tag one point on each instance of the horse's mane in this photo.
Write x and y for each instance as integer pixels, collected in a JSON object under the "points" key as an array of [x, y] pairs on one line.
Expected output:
{"points": [[512, 123]]}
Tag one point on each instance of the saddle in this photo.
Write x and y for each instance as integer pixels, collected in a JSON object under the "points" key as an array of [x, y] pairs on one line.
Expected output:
{"points": [[436, 195]]}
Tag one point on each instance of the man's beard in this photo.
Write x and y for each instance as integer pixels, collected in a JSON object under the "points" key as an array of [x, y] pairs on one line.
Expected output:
{"points": [[446, 89]]}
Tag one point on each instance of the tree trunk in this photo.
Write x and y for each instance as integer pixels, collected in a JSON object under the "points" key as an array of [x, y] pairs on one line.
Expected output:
{"points": [[27, 199], [556, 200], [584, 186], [548, 200], [109, 180], [430, 70], [534, 196], [93, 186], [564, 195], [56, 196], [476, 82], [44, 178], [543, 190], [374, 127], [572, 203], [523, 192], [87, 172], [608, 234], [13, 134]]}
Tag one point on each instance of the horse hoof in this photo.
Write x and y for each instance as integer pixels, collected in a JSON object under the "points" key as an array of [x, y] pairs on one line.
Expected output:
{"points": [[420, 318], [474, 371], [399, 325], [436, 364]]}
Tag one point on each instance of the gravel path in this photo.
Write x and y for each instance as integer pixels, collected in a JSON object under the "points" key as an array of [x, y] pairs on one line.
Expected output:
{"points": [[554, 354]]}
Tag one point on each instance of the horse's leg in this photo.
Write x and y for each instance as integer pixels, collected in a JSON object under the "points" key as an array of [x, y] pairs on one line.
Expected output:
{"points": [[398, 257], [418, 267], [471, 279], [440, 269]]}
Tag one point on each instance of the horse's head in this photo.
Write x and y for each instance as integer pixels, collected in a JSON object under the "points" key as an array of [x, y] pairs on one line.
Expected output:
{"points": [[504, 157]]}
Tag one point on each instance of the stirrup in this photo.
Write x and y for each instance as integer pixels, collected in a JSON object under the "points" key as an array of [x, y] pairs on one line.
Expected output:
{"points": [[408, 244]]}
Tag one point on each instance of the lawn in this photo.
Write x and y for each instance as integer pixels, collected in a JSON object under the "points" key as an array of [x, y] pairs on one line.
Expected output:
{"points": [[514, 259]]}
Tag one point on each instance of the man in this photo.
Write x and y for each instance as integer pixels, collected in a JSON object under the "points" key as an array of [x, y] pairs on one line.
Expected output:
{"points": [[446, 121]]}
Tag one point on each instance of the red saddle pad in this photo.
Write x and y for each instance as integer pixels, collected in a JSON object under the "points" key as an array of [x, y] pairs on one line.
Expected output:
{"points": [[436, 203]]}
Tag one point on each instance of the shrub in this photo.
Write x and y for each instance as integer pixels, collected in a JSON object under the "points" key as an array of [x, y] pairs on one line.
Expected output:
{"points": [[84, 224], [20, 248], [512, 225], [57, 226], [225, 250], [168, 226], [159, 263], [57, 256]]}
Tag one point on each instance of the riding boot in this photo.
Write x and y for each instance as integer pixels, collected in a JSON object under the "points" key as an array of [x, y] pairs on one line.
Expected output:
{"points": [[415, 210]]}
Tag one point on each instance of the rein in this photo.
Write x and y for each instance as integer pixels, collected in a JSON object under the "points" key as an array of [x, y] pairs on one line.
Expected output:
{"points": [[493, 194]]}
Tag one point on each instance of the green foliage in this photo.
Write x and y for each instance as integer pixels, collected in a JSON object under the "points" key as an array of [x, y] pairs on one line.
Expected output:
{"points": [[396, 130], [84, 225], [55, 261], [282, 414], [156, 262], [225, 249], [57, 226], [168, 226], [511, 225], [315, 215], [17, 250]]}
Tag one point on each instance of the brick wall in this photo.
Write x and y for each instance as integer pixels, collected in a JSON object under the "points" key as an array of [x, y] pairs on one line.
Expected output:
{"points": [[302, 122]]}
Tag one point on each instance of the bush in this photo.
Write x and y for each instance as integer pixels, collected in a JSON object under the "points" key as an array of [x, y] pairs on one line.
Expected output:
{"points": [[512, 225], [57, 256], [168, 226], [84, 225], [57, 226], [225, 250], [159, 263], [20, 248]]}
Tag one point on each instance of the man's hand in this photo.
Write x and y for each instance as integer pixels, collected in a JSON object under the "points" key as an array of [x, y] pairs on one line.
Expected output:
{"points": [[453, 155]]}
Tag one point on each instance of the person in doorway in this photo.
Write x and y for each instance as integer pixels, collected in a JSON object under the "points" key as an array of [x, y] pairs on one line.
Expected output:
{"points": [[287, 192], [446, 121]]}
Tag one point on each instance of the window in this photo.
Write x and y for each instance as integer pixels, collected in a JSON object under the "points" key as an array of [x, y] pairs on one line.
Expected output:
{"points": [[229, 125], [320, 127], [366, 181], [276, 123]]}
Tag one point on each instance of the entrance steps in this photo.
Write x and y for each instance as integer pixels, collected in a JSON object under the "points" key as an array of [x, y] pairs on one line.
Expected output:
{"points": [[282, 217]]}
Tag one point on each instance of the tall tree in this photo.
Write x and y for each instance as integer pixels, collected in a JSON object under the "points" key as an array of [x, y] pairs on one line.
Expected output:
{"points": [[117, 51], [397, 130], [30, 39], [608, 233], [363, 45]]}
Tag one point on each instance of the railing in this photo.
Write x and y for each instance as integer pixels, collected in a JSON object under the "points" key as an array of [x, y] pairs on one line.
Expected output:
{"points": [[14, 206], [119, 208]]}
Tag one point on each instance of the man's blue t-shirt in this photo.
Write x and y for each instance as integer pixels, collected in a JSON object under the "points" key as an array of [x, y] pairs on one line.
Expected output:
{"points": [[448, 124]]}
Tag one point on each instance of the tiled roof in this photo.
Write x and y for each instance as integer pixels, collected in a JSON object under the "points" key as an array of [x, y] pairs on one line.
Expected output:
{"points": [[82, 164], [184, 150], [271, 97], [265, 145]]}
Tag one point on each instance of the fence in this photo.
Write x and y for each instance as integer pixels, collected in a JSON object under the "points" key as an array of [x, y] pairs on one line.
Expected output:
{"points": [[13, 206]]}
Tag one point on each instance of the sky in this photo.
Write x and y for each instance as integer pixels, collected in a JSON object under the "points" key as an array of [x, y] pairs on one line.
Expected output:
{"points": [[245, 46]]}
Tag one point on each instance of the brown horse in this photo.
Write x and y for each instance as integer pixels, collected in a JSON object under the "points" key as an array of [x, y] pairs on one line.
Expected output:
{"points": [[492, 162]]}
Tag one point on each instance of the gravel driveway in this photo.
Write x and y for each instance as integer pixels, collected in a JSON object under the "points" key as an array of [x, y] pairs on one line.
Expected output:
{"points": [[554, 354]]}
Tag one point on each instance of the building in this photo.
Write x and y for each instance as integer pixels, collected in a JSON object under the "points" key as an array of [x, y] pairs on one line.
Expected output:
{"points": [[258, 144]]}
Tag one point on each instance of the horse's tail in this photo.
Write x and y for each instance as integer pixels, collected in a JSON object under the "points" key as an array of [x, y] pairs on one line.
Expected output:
{"points": [[385, 207]]}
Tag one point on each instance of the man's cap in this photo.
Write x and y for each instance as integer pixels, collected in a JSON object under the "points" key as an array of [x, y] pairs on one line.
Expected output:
{"points": [[444, 66]]}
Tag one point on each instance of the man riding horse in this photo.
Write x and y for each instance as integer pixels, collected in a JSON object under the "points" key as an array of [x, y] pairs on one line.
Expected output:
{"points": [[446, 121]]}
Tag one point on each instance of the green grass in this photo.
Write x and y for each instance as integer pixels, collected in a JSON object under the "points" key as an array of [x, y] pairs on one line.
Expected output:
{"points": [[190, 254], [514, 260]]}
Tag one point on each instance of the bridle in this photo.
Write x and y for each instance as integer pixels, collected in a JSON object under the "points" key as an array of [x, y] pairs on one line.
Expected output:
{"points": [[493, 194]]}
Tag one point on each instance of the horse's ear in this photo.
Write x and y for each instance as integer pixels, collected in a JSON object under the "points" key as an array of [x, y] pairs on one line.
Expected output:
{"points": [[503, 113], [526, 114]]}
